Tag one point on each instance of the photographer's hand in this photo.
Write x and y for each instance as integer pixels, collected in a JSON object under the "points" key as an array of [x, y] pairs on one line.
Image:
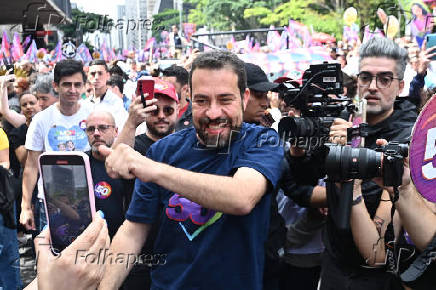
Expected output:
{"points": [[406, 179], [338, 131], [295, 151]]}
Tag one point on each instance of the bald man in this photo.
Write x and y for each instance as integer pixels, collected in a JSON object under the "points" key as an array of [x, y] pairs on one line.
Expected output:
{"points": [[111, 195]]}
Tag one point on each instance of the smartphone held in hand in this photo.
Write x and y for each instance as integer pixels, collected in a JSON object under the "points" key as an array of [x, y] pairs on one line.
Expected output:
{"points": [[68, 195], [145, 89]]}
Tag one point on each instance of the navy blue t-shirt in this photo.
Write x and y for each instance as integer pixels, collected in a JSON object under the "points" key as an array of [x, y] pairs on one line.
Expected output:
{"points": [[111, 195], [205, 249]]}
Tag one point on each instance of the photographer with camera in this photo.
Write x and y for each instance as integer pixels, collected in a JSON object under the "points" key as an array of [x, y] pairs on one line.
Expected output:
{"points": [[380, 81], [401, 237]]}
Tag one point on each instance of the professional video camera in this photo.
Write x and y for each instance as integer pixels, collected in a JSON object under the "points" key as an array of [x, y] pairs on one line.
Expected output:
{"points": [[344, 163], [317, 107]]}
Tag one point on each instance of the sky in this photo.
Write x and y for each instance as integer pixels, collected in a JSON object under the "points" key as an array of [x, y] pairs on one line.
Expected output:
{"points": [[104, 7]]}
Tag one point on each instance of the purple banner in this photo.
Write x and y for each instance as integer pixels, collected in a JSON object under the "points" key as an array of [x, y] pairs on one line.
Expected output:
{"points": [[423, 151]]}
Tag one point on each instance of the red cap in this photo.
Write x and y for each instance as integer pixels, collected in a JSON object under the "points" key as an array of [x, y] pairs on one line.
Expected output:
{"points": [[165, 88]]}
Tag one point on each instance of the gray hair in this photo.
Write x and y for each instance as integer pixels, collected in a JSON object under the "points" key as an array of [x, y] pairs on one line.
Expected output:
{"points": [[383, 47], [44, 85]]}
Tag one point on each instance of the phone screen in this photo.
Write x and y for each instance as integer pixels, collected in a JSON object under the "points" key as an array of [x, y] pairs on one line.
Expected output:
{"points": [[67, 198], [431, 41]]}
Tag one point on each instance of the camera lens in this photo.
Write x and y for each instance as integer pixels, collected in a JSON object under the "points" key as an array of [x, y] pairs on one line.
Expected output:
{"points": [[302, 127], [344, 162]]}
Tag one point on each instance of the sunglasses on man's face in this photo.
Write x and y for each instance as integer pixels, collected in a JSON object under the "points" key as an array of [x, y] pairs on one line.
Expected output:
{"points": [[167, 110]]}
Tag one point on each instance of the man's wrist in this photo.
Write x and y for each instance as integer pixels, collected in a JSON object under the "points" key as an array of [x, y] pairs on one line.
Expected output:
{"points": [[357, 200]]}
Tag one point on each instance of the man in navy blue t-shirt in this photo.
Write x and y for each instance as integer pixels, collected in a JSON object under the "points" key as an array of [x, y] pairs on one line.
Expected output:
{"points": [[208, 186]]}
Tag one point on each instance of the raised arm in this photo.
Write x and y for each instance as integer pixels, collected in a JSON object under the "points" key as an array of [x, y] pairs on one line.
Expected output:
{"points": [[137, 115], [11, 116], [237, 194], [418, 219], [368, 234]]}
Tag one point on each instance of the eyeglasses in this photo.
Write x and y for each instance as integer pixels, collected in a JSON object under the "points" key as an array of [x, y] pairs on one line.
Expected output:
{"points": [[101, 128], [167, 110], [383, 79]]}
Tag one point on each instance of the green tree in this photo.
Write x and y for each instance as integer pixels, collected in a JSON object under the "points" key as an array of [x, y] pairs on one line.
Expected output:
{"points": [[84, 22], [226, 14], [164, 21], [316, 15]]}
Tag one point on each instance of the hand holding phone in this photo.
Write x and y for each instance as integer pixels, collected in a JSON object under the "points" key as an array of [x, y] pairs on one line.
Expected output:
{"points": [[72, 268], [431, 42], [145, 86], [68, 195]]}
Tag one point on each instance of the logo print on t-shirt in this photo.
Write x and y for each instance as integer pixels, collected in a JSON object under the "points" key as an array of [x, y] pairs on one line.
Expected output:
{"points": [[102, 190], [181, 209], [82, 124], [63, 139]]}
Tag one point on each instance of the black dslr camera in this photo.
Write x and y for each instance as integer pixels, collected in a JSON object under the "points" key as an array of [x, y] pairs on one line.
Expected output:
{"points": [[344, 163], [317, 106]]}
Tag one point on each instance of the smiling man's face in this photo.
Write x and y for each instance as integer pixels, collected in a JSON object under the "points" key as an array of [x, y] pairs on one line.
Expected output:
{"points": [[217, 106]]}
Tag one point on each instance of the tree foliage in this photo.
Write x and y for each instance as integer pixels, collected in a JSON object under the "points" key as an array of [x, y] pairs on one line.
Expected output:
{"points": [[322, 15], [317, 16], [85, 22], [164, 21]]}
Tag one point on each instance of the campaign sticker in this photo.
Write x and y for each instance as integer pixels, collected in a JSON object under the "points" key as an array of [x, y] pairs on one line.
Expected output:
{"points": [[82, 124], [102, 190], [423, 150]]}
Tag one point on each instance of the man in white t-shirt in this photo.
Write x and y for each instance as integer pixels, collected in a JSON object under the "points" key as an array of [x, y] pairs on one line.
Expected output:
{"points": [[103, 98], [58, 127]]}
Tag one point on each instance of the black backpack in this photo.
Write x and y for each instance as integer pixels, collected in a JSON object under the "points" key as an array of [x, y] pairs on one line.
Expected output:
{"points": [[7, 198]]}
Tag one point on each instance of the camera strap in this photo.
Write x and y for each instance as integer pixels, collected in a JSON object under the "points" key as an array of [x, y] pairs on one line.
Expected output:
{"points": [[421, 263], [391, 251]]}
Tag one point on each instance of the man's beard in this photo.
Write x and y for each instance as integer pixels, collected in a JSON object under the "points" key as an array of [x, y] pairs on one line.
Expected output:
{"points": [[217, 141], [94, 148], [160, 134]]}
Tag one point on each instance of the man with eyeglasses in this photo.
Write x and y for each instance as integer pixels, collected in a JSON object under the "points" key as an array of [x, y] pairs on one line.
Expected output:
{"points": [[102, 97], [62, 122], [380, 81], [111, 195]]}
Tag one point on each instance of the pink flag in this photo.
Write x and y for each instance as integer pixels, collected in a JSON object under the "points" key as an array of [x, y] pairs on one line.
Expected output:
{"points": [[31, 52], [149, 42], [17, 49], [57, 55], [6, 46]]}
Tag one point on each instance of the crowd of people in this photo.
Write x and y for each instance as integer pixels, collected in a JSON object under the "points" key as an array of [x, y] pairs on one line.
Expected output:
{"points": [[199, 185]]}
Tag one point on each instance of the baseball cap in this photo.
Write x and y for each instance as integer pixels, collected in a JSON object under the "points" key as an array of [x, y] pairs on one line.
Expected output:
{"points": [[165, 88], [257, 79]]}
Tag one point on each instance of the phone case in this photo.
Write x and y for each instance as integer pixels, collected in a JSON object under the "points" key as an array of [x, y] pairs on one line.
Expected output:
{"points": [[90, 183], [145, 86], [431, 41]]}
